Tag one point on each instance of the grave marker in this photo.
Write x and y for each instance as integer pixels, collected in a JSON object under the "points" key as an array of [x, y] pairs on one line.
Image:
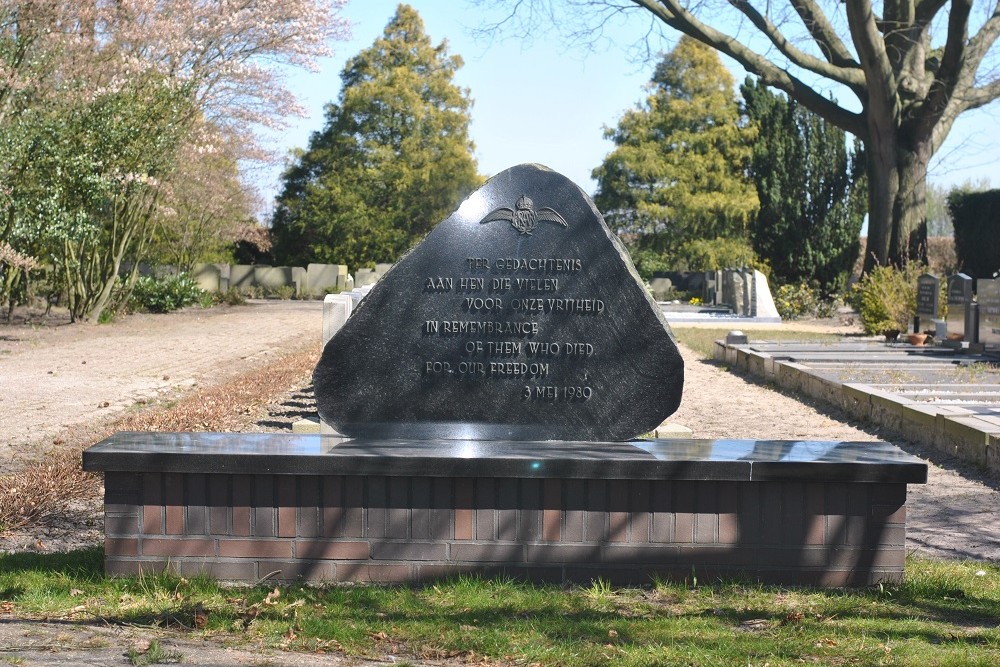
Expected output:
{"points": [[959, 298], [928, 287], [519, 317], [988, 297]]}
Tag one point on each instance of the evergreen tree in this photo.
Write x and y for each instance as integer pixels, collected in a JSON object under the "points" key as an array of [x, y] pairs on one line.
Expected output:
{"points": [[393, 159], [678, 170], [811, 189]]}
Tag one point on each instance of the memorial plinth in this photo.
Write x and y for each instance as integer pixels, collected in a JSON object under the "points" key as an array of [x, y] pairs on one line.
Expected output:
{"points": [[246, 507], [494, 386]]}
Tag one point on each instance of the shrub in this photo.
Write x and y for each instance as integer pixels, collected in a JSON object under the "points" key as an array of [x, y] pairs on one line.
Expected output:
{"points": [[795, 300], [648, 262], [719, 253], [285, 292], [801, 300], [166, 295], [886, 297], [232, 296]]}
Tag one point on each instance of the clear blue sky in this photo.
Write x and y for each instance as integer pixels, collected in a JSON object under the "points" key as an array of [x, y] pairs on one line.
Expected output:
{"points": [[541, 101]]}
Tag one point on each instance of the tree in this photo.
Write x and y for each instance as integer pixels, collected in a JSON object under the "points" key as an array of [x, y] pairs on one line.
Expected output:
{"points": [[811, 190], [97, 99], [393, 158], [207, 209], [677, 172], [914, 68]]}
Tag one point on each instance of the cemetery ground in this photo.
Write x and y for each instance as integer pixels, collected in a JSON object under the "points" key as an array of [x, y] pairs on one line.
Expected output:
{"points": [[247, 369]]}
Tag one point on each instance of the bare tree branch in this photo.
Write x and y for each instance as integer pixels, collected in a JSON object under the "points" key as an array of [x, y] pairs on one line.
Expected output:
{"points": [[851, 77], [949, 73], [677, 17], [822, 32], [882, 84]]}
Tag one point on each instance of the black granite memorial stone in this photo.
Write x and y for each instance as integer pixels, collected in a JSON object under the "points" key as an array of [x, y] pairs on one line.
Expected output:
{"points": [[928, 288], [519, 317]]}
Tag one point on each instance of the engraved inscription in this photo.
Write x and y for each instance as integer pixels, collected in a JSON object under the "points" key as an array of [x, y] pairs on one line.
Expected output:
{"points": [[515, 307]]}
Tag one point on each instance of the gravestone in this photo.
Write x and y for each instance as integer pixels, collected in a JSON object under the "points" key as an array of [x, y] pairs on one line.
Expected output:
{"points": [[928, 287], [519, 317], [959, 299], [325, 278], [988, 297], [363, 277]]}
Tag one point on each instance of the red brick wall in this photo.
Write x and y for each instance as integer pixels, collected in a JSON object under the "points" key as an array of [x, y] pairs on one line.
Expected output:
{"points": [[290, 527]]}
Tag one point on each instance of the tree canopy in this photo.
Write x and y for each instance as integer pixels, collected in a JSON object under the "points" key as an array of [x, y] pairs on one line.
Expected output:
{"points": [[393, 159], [811, 190], [913, 66], [99, 101], [677, 172]]}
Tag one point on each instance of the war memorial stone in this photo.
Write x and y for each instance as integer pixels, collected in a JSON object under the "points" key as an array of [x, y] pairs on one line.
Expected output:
{"points": [[518, 317], [492, 388]]}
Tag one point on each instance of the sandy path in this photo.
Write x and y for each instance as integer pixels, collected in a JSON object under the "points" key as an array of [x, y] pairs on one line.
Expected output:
{"points": [[63, 376]]}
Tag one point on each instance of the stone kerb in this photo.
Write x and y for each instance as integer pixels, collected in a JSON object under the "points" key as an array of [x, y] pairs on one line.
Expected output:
{"points": [[953, 429]]}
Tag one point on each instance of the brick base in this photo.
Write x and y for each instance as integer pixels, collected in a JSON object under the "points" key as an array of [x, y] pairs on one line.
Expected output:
{"points": [[411, 529]]}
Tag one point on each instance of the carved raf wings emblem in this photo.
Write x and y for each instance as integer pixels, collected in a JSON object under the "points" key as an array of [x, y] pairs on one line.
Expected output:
{"points": [[525, 218]]}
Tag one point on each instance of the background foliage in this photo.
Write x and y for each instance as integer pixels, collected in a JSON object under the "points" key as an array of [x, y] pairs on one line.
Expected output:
{"points": [[812, 191], [678, 170], [976, 216], [99, 104], [393, 159]]}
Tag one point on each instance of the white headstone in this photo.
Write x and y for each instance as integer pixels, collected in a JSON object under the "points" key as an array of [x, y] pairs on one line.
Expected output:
{"points": [[762, 297], [336, 309]]}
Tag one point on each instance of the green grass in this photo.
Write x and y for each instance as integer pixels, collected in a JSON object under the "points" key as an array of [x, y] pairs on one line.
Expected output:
{"points": [[945, 614], [702, 340]]}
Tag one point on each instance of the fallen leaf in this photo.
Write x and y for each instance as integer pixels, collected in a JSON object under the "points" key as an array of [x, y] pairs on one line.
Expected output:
{"points": [[73, 592], [612, 633], [141, 646], [272, 596], [793, 617], [826, 642], [200, 617]]}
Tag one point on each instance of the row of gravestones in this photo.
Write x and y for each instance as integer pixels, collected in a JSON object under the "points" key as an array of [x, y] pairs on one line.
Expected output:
{"points": [[972, 318], [744, 291], [315, 280]]}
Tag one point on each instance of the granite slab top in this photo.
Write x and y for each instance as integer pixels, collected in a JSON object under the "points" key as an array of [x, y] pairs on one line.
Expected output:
{"points": [[680, 459]]}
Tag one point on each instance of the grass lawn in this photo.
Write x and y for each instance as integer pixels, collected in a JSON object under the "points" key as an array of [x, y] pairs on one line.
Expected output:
{"points": [[702, 339], [945, 614]]}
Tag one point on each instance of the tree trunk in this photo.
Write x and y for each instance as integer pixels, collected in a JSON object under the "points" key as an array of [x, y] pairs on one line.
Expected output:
{"points": [[897, 199]]}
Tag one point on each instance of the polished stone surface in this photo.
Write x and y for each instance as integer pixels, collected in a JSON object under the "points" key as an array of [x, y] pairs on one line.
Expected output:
{"points": [[519, 317], [732, 460]]}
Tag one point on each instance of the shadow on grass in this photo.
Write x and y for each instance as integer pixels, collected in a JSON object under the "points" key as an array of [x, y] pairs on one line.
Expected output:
{"points": [[85, 564], [942, 604]]}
